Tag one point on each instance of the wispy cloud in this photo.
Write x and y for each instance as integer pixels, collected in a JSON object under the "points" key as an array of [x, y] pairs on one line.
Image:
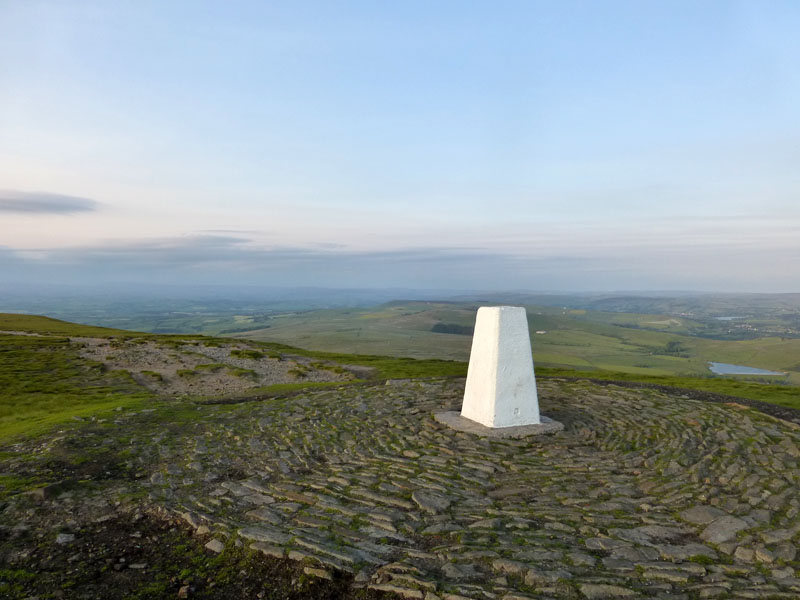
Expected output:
{"points": [[235, 251], [44, 203], [230, 231], [239, 260], [218, 258]]}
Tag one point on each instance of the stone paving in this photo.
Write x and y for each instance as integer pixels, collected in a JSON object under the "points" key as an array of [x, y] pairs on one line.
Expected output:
{"points": [[643, 495]]}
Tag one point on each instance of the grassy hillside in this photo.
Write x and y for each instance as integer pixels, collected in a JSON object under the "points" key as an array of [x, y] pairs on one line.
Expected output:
{"points": [[46, 325], [44, 380]]}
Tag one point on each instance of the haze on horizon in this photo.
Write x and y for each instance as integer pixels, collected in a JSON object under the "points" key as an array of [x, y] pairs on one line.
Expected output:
{"points": [[449, 145]]}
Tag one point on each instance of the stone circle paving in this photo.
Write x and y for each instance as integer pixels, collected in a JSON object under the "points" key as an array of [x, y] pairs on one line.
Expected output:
{"points": [[644, 494]]}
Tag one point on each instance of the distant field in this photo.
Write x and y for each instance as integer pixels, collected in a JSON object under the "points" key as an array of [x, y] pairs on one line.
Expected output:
{"points": [[394, 331], [642, 344]]}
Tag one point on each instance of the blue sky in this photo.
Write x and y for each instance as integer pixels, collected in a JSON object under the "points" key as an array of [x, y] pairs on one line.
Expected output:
{"points": [[482, 145]]}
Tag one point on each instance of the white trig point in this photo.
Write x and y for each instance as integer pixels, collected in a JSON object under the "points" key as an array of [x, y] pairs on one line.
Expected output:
{"points": [[501, 385], [500, 398]]}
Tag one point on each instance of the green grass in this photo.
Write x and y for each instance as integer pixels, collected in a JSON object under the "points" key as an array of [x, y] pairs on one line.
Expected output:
{"points": [[13, 580], [154, 375], [38, 324], [211, 367], [782, 395], [43, 382], [238, 372], [328, 367], [12, 484], [45, 325]]}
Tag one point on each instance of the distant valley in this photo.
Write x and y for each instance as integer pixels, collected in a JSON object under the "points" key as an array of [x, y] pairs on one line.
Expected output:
{"points": [[653, 335]]}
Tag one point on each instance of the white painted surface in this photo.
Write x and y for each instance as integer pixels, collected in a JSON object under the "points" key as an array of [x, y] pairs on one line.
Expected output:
{"points": [[501, 386]]}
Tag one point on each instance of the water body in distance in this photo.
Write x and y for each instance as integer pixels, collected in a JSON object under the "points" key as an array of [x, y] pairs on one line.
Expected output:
{"points": [[728, 369], [727, 318]]}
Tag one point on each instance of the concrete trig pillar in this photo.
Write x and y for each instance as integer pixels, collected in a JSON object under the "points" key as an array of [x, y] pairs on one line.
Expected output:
{"points": [[501, 385]]}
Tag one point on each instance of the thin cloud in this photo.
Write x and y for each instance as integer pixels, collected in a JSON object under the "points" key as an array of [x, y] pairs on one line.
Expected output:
{"points": [[44, 203], [237, 251], [238, 260], [209, 256], [230, 231]]}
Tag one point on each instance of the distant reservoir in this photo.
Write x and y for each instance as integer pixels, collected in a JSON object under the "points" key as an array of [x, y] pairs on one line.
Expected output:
{"points": [[728, 369]]}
